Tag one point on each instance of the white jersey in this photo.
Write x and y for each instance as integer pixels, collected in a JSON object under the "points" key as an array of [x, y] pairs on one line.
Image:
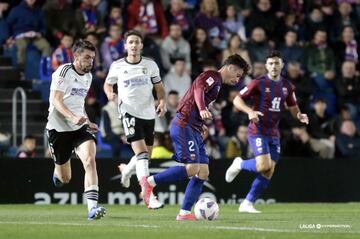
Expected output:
{"points": [[75, 88], [135, 86]]}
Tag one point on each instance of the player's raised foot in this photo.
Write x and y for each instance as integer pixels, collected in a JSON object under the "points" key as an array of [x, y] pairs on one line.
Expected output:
{"points": [[57, 182], [125, 177], [248, 207], [154, 203], [146, 190], [186, 217], [96, 213], [233, 170]]}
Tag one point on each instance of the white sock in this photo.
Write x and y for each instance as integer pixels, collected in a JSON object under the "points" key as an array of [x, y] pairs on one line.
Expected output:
{"points": [[142, 169], [151, 181], [142, 165], [92, 196], [184, 212], [130, 167]]}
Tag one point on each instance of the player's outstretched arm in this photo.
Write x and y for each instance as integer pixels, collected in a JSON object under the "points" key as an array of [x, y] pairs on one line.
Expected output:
{"points": [[296, 113], [58, 102], [240, 104], [160, 94]]}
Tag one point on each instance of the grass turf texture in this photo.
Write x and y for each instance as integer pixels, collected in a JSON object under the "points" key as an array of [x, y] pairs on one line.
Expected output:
{"points": [[276, 221]]}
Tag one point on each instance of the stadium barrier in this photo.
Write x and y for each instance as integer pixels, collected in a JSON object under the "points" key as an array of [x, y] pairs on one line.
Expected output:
{"points": [[295, 180]]}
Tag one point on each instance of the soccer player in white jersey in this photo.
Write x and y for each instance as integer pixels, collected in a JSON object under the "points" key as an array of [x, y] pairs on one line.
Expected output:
{"points": [[136, 76], [68, 126]]}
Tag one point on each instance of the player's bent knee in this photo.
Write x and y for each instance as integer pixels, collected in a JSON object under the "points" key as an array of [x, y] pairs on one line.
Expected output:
{"points": [[263, 167], [203, 175], [90, 164]]}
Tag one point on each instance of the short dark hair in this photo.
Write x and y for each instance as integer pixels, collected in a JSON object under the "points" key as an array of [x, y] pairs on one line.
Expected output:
{"points": [[238, 61], [272, 54], [133, 33], [173, 92], [80, 45], [29, 136]]}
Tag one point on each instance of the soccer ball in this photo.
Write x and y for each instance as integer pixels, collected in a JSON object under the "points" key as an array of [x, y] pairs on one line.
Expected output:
{"points": [[206, 208]]}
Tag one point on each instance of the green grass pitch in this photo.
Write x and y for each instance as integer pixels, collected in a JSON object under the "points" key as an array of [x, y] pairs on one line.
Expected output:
{"points": [[277, 221]]}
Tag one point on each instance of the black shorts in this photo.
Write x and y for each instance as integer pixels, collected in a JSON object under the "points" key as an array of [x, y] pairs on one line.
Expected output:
{"points": [[137, 129], [62, 144]]}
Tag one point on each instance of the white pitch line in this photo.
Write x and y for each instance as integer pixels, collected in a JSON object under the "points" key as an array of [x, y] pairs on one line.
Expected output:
{"points": [[230, 228]]}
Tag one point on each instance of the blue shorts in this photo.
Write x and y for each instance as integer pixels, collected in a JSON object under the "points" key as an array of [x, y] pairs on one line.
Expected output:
{"points": [[188, 145], [264, 145]]}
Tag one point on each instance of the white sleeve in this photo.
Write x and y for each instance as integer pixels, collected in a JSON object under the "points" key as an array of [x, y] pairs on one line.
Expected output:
{"points": [[58, 82], [155, 73], [112, 78]]}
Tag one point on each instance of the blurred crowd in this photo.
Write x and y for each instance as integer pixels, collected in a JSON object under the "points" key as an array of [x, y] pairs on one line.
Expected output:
{"points": [[319, 41]]}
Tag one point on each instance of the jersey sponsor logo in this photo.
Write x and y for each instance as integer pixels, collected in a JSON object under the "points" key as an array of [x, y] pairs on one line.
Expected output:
{"points": [[210, 81], [243, 91], [275, 104], [136, 82], [79, 92], [192, 157]]}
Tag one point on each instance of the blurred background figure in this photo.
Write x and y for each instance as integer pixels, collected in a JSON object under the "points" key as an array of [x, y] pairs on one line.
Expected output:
{"points": [[27, 148]]}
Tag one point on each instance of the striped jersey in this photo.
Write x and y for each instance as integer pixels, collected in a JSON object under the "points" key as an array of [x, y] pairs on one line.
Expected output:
{"points": [[269, 97], [204, 90], [135, 86], [75, 87]]}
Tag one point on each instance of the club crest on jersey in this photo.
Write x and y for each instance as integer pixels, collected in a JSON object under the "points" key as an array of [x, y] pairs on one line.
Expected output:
{"points": [[210, 81], [285, 90], [144, 71]]}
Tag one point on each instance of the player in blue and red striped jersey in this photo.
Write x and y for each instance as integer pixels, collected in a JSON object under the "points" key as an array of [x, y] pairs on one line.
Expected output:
{"points": [[186, 129], [270, 94]]}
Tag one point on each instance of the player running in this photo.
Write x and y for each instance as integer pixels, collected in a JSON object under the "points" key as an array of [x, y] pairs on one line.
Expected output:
{"points": [[68, 127], [136, 76], [185, 133], [270, 94]]}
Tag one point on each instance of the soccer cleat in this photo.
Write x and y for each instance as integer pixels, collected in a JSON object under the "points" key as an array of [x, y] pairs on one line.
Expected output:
{"points": [[186, 217], [57, 182], [154, 203], [248, 207], [96, 213], [233, 170], [125, 178], [146, 190]]}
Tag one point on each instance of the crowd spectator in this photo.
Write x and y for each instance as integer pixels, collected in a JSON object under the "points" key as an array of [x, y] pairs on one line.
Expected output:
{"points": [[177, 13], [238, 144], [175, 46], [208, 19], [236, 46], [347, 86], [148, 15], [112, 47], [88, 19], [27, 148], [63, 53], [26, 24], [258, 46], [348, 141], [177, 79], [111, 128], [59, 16]]}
